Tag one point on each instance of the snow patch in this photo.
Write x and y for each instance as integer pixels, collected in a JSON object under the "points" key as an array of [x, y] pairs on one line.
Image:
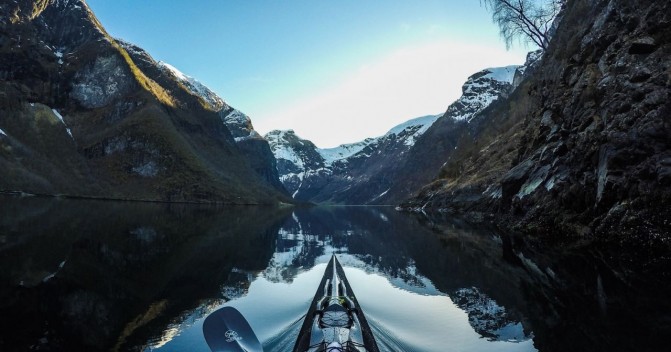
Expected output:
{"points": [[344, 151], [481, 90], [286, 153], [52, 275], [195, 87], [277, 140], [59, 55], [237, 116], [502, 74], [297, 189], [487, 317], [240, 126], [413, 129], [419, 125], [382, 194], [3, 132], [425, 122], [60, 117]]}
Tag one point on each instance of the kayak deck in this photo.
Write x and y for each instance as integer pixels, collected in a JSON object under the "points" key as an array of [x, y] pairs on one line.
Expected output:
{"points": [[331, 308]]}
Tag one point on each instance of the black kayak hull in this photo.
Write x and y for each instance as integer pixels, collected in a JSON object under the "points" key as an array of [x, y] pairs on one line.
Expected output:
{"points": [[303, 340]]}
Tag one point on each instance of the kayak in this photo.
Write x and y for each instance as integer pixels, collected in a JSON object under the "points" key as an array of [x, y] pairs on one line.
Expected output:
{"points": [[335, 322]]}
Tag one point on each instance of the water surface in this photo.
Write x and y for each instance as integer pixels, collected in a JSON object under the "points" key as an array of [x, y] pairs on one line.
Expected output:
{"points": [[91, 275]]}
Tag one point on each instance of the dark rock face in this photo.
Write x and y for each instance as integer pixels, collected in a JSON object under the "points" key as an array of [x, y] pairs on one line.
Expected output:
{"points": [[586, 145], [83, 114], [101, 83]]}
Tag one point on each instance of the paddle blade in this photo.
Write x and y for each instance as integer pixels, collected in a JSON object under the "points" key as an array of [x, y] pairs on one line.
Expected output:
{"points": [[226, 330]]}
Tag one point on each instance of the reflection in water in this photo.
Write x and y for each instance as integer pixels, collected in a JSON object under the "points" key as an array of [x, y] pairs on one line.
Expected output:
{"points": [[91, 275], [130, 269]]}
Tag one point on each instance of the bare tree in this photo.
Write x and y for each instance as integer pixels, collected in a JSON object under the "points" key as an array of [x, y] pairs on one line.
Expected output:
{"points": [[527, 20]]}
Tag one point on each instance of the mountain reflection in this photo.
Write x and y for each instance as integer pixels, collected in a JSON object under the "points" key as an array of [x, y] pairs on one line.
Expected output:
{"points": [[393, 245], [98, 275], [128, 269]]}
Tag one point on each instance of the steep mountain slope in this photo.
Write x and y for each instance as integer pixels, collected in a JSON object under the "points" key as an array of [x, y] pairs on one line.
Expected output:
{"points": [[389, 168], [253, 146], [423, 161], [85, 115], [582, 148]]}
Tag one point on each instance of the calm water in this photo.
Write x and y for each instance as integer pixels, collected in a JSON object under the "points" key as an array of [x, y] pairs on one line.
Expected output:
{"points": [[89, 275]]}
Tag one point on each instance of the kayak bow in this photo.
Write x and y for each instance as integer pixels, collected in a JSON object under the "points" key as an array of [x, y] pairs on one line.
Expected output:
{"points": [[335, 321]]}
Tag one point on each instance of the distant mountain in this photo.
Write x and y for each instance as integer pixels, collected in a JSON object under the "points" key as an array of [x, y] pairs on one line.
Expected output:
{"points": [[386, 169], [324, 175], [83, 114]]}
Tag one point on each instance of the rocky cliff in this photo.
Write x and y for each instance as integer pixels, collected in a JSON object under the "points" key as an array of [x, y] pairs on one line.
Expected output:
{"points": [[581, 148], [83, 114]]}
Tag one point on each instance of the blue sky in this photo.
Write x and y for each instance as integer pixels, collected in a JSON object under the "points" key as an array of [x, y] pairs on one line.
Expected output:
{"points": [[334, 71]]}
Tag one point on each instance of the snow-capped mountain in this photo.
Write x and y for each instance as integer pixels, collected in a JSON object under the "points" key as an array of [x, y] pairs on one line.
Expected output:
{"points": [[308, 172], [343, 151], [239, 124], [195, 87], [480, 91], [391, 167], [297, 160]]}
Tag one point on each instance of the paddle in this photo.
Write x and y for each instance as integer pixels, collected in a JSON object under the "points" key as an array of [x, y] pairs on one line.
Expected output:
{"points": [[226, 330]]}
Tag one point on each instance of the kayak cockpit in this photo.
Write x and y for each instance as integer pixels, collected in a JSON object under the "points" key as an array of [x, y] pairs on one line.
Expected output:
{"points": [[335, 323]]}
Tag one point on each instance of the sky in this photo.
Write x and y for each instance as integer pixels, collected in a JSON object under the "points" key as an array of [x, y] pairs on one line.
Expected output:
{"points": [[334, 71]]}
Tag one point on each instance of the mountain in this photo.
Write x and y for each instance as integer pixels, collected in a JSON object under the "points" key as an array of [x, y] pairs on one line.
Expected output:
{"points": [[581, 149], [252, 145], [481, 90], [326, 175], [83, 114], [423, 161], [390, 168]]}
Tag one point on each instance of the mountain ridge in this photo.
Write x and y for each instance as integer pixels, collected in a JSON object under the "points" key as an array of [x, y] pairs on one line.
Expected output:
{"points": [[82, 116], [382, 170]]}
